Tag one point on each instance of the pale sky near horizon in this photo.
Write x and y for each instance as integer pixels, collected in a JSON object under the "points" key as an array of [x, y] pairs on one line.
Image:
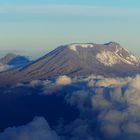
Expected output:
{"points": [[41, 25]]}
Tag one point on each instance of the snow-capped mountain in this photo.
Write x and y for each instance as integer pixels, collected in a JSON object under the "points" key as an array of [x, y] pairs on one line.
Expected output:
{"points": [[114, 54], [109, 54], [81, 60]]}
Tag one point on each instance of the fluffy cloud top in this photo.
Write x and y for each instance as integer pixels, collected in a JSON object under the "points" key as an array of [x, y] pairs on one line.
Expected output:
{"points": [[63, 80], [109, 109], [107, 82], [38, 129]]}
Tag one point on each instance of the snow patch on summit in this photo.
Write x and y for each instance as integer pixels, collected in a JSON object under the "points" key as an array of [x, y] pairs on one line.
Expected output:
{"points": [[109, 58], [73, 47]]}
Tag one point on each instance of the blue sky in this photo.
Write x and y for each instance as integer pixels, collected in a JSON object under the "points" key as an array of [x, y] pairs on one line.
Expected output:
{"points": [[41, 25]]}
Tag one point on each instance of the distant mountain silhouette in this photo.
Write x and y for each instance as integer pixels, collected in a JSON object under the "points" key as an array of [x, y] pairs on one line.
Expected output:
{"points": [[14, 60]]}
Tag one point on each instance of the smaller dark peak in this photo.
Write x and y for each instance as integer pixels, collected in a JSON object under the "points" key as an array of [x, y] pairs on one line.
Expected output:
{"points": [[14, 59], [8, 57], [11, 55]]}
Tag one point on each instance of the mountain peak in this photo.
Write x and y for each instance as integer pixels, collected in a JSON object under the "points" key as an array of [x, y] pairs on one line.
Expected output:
{"points": [[108, 59], [108, 54], [113, 45], [10, 55], [14, 59]]}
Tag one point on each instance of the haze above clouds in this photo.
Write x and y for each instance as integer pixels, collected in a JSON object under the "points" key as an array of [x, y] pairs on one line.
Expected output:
{"points": [[43, 25]]}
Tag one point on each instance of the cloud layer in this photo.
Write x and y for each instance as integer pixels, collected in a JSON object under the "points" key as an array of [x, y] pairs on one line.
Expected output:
{"points": [[38, 129], [109, 109]]}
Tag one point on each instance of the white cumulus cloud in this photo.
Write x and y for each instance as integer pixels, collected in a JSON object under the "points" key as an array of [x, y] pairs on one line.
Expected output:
{"points": [[38, 129], [63, 80]]}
